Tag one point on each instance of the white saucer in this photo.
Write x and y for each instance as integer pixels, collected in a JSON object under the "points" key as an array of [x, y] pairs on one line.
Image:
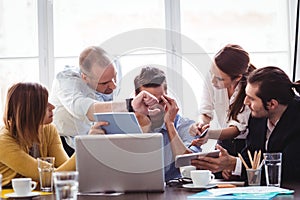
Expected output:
{"points": [[14, 195], [192, 186]]}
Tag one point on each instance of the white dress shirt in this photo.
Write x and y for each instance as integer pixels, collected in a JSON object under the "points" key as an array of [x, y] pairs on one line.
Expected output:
{"points": [[72, 98], [270, 128]]}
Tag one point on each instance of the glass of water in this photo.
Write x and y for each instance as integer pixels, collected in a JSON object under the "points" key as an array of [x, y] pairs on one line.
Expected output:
{"points": [[46, 168], [273, 168], [66, 185], [0, 183]]}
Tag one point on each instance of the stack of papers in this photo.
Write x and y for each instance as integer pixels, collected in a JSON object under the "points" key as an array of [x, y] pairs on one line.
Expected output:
{"points": [[251, 192]]}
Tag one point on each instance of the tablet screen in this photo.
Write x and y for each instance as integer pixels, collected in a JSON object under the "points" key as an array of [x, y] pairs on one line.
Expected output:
{"points": [[185, 159], [119, 122]]}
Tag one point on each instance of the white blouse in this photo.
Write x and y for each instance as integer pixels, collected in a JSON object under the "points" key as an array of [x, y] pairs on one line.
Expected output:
{"points": [[216, 101]]}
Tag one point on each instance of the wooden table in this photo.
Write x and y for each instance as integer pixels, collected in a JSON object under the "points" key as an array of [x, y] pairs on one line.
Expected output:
{"points": [[173, 193]]}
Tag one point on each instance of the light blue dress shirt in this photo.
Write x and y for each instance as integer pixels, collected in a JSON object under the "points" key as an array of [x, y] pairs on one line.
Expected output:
{"points": [[182, 126]]}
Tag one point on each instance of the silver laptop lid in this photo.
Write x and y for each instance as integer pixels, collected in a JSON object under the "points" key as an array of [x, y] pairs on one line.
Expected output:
{"points": [[120, 162]]}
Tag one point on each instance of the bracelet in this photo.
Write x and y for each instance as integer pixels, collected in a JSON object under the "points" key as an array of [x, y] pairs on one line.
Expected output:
{"points": [[128, 105]]}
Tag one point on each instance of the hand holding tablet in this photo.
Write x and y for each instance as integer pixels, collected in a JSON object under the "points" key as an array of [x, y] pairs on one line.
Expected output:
{"points": [[185, 159], [119, 122]]}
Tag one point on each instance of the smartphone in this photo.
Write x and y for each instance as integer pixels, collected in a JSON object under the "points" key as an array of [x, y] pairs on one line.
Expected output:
{"points": [[203, 134]]}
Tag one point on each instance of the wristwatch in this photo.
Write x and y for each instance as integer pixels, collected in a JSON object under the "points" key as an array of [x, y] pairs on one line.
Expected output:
{"points": [[128, 105]]}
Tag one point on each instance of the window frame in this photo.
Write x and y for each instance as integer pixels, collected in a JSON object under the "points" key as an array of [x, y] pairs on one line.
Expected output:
{"points": [[172, 17]]}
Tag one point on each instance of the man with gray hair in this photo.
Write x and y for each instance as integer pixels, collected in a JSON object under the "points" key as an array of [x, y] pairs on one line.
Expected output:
{"points": [[79, 93], [174, 128]]}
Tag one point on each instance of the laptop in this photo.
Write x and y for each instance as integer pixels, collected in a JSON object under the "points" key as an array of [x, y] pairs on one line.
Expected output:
{"points": [[120, 163]]}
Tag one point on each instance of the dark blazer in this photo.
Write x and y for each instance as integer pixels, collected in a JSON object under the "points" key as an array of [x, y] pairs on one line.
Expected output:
{"points": [[285, 138]]}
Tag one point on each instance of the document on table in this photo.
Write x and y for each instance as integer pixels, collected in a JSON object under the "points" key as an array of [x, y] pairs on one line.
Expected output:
{"points": [[220, 182], [250, 192]]}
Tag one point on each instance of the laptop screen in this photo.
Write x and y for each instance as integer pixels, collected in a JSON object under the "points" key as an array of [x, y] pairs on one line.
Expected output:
{"points": [[120, 162]]}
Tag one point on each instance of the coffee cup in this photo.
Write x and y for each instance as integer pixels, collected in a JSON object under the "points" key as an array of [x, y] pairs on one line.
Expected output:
{"points": [[201, 177], [23, 186], [185, 171]]}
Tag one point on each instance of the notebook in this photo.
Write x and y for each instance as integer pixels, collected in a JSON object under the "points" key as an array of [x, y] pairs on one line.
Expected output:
{"points": [[119, 122], [120, 163]]}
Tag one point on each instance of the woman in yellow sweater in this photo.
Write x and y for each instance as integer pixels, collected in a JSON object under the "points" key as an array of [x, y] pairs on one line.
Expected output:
{"points": [[27, 134]]}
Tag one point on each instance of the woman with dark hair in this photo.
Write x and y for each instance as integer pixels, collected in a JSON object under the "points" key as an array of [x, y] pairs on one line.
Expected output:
{"points": [[27, 134], [224, 94]]}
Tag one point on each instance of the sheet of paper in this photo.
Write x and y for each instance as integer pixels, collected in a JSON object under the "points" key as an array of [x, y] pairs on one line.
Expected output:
{"points": [[206, 195], [249, 190]]}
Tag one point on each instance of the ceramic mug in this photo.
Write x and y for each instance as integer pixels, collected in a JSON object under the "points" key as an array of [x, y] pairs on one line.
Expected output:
{"points": [[23, 186], [185, 171], [201, 177]]}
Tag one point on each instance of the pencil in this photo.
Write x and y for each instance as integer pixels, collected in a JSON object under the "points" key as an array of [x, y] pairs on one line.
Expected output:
{"points": [[258, 159], [250, 157], [254, 158], [245, 164]]}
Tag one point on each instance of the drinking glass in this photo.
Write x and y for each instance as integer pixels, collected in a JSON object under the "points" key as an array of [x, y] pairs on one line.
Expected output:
{"points": [[46, 169], [66, 185], [0, 183], [273, 168]]}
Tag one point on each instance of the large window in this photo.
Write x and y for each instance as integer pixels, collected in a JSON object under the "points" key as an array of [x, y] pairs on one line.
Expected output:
{"points": [[39, 40], [18, 44], [78, 24], [260, 27]]}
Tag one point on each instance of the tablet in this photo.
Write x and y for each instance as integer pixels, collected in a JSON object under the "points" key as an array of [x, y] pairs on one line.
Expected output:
{"points": [[185, 159], [119, 122]]}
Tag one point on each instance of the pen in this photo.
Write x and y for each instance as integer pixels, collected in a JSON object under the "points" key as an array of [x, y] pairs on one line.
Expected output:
{"points": [[199, 136], [261, 164]]}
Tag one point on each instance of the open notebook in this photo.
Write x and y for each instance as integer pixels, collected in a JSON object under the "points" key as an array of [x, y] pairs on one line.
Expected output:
{"points": [[120, 162]]}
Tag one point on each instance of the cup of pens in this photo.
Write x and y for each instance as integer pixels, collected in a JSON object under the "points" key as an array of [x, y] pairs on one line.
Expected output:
{"points": [[253, 172], [254, 176]]}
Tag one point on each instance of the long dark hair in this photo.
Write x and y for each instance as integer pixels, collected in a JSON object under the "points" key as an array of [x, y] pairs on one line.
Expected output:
{"points": [[24, 112], [234, 61]]}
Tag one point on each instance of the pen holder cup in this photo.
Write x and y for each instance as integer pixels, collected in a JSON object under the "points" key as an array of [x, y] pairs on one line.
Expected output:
{"points": [[254, 176]]}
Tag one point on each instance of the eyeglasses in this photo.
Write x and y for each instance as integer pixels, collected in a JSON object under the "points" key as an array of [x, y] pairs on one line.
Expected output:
{"points": [[178, 182]]}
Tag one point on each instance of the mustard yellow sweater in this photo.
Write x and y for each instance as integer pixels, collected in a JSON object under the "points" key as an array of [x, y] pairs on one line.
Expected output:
{"points": [[16, 162]]}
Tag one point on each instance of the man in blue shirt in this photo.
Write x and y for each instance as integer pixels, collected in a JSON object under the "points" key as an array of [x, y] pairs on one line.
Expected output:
{"points": [[174, 128]]}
